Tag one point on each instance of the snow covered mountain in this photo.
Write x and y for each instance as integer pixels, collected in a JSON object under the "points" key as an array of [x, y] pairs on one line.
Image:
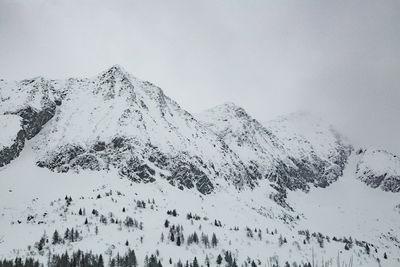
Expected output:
{"points": [[379, 169], [32, 99], [110, 163], [117, 120], [280, 152], [314, 146]]}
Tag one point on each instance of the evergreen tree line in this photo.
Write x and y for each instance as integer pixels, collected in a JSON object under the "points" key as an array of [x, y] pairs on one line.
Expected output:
{"points": [[175, 235], [18, 262], [78, 258], [127, 260], [348, 242], [190, 216], [82, 259]]}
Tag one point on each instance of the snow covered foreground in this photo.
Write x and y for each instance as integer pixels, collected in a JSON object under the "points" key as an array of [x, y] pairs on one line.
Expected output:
{"points": [[32, 203], [131, 169]]}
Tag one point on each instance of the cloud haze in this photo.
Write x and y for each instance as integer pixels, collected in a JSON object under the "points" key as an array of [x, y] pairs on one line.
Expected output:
{"points": [[339, 59]]}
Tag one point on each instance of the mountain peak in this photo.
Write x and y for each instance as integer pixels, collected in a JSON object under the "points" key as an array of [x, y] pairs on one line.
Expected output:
{"points": [[231, 106], [114, 72], [229, 109], [116, 68]]}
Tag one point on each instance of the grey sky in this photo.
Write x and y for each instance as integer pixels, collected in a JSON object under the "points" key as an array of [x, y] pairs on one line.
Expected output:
{"points": [[339, 59]]}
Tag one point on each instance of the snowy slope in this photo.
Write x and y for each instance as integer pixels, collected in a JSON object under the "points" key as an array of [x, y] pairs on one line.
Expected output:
{"points": [[31, 99], [349, 208], [10, 125], [36, 93], [379, 169], [12, 138], [255, 145], [27, 214], [309, 139]]}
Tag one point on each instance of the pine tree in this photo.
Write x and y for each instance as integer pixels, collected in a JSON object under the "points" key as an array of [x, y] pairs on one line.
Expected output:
{"points": [[228, 258], [385, 255], [162, 237], [72, 235], [280, 240], [76, 235], [56, 238], [66, 234], [131, 258], [367, 249], [219, 259], [80, 212], [195, 238], [207, 261], [101, 261], [41, 243], [214, 240], [195, 263]]}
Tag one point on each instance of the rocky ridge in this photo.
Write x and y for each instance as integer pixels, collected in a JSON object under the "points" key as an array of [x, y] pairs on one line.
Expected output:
{"points": [[114, 120]]}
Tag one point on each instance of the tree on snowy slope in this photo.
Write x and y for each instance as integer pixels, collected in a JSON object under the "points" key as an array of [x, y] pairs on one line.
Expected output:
{"points": [[152, 262], [219, 259], [56, 238], [214, 240]]}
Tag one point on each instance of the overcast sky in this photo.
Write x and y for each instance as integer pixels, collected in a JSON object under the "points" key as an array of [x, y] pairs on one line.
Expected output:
{"points": [[339, 59]]}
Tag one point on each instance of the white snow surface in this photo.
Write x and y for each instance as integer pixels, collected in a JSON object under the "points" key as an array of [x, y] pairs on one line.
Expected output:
{"points": [[305, 135], [244, 135], [379, 168], [379, 162], [115, 103], [15, 96], [10, 125]]}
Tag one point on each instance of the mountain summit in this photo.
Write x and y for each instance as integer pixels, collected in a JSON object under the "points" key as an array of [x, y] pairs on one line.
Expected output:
{"points": [[115, 120]]}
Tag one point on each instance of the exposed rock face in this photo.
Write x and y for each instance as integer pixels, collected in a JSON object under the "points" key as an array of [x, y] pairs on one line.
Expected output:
{"points": [[34, 120], [32, 100], [317, 154], [130, 125], [379, 169], [281, 151], [12, 138], [119, 153]]}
